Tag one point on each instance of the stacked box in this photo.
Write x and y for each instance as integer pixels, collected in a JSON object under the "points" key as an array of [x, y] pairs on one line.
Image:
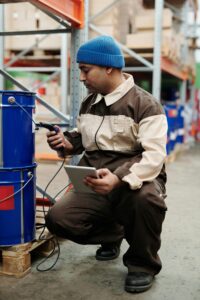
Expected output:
{"points": [[19, 17], [116, 21], [143, 37], [23, 17]]}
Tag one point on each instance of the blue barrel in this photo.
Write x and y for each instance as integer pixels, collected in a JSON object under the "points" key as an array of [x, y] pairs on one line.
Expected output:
{"points": [[17, 168], [180, 124], [171, 114], [17, 134]]}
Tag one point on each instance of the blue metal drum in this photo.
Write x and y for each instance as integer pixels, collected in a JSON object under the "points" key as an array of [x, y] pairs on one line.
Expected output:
{"points": [[171, 114], [17, 129], [17, 168], [17, 211], [180, 124]]}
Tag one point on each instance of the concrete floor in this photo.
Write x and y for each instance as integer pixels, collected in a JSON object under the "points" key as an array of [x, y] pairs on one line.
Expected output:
{"points": [[78, 276]]}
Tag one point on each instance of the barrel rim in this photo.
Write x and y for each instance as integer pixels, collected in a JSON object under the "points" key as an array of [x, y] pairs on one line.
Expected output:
{"points": [[16, 92]]}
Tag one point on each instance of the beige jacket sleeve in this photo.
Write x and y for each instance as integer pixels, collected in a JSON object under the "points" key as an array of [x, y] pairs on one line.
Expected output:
{"points": [[152, 135]]}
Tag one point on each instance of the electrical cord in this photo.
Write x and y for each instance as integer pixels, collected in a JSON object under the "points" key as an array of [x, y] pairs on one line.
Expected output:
{"points": [[54, 176], [54, 240], [61, 191]]}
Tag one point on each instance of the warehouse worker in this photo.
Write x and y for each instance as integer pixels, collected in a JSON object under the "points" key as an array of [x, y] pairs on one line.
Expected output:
{"points": [[122, 131]]}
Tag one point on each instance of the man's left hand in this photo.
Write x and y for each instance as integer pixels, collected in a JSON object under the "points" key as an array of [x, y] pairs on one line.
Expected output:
{"points": [[106, 182]]}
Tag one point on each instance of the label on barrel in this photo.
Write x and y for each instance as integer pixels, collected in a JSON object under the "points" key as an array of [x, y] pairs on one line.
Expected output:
{"points": [[7, 197]]}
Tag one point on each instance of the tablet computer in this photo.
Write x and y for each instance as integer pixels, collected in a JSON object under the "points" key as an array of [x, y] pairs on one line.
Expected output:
{"points": [[77, 174]]}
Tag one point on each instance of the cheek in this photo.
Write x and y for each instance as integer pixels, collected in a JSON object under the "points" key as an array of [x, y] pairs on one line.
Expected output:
{"points": [[93, 79]]}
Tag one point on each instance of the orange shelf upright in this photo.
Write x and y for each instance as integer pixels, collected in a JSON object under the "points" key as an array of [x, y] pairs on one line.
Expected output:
{"points": [[70, 10]]}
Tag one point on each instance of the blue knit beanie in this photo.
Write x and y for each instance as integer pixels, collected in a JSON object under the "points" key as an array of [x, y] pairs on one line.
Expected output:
{"points": [[101, 51]]}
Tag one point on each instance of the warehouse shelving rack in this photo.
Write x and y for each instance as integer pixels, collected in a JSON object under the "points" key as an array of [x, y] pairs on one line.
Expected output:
{"points": [[72, 17], [70, 14], [159, 63]]}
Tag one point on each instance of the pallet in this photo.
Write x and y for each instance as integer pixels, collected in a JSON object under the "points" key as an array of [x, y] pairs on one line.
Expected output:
{"points": [[16, 260]]}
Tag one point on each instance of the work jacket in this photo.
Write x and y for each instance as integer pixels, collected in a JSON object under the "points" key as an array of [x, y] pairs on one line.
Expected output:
{"points": [[124, 131]]}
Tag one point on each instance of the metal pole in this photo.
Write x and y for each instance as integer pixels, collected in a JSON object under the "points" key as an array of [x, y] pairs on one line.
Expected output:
{"points": [[64, 73], [184, 50], [1, 45], [78, 91], [76, 87], [86, 19], [157, 49], [183, 90]]}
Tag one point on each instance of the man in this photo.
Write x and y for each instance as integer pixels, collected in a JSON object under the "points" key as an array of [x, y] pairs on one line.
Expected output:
{"points": [[122, 131]]}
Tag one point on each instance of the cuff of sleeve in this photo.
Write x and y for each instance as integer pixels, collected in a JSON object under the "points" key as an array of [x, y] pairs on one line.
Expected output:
{"points": [[133, 181], [126, 176]]}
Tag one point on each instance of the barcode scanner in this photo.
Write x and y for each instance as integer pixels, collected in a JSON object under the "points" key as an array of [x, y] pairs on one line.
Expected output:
{"points": [[49, 126]]}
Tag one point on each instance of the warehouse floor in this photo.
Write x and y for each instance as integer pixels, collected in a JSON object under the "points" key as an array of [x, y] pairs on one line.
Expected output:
{"points": [[78, 276]]}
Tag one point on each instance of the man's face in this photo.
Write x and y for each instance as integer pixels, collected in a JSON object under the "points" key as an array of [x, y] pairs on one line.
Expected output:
{"points": [[94, 78]]}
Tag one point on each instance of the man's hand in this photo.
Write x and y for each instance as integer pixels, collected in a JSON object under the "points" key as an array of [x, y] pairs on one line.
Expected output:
{"points": [[57, 141], [106, 182]]}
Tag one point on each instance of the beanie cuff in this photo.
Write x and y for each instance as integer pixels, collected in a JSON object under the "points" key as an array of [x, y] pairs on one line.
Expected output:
{"points": [[100, 59]]}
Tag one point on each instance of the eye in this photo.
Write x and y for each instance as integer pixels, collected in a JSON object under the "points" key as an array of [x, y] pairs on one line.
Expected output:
{"points": [[86, 71]]}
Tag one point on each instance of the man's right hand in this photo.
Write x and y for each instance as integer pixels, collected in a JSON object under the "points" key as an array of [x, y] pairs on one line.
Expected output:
{"points": [[58, 142]]}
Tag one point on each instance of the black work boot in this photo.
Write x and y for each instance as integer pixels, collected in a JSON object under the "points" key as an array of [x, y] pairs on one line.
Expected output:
{"points": [[137, 282], [108, 251]]}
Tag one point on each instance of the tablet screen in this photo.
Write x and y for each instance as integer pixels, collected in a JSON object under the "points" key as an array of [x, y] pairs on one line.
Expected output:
{"points": [[77, 174]]}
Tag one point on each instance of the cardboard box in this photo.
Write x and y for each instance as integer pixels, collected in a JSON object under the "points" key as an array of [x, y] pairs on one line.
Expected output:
{"points": [[20, 16], [146, 19], [145, 39]]}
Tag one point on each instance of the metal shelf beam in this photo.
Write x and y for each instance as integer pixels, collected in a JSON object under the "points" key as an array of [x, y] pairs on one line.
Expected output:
{"points": [[70, 10], [32, 32]]}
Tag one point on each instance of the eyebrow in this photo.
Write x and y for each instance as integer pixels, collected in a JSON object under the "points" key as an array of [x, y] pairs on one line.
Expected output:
{"points": [[84, 66]]}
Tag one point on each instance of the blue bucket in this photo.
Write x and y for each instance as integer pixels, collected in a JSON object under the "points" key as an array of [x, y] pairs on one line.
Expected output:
{"points": [[17, 206], [17, 168]]}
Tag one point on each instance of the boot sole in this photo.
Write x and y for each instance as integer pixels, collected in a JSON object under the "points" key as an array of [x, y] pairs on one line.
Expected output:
{"points": [[137, 289], [106, 258]]}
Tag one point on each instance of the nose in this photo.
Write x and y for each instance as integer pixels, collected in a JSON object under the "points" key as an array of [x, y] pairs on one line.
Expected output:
{"points": [[82, 76]]}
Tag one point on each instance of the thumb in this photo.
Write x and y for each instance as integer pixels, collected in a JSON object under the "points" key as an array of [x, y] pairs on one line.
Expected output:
{"points": [[57, 128], [103, 172]]}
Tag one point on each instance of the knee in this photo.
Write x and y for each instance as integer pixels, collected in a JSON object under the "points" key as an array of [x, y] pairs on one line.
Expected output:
{"points": [[141, 199], [71, 225]]}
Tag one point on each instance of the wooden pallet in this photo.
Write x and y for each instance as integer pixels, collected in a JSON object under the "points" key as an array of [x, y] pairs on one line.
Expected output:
{"points": [[16, 260]]}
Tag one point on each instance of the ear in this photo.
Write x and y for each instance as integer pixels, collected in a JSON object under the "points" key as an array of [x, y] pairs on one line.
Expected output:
{"points": [[109, 70]]}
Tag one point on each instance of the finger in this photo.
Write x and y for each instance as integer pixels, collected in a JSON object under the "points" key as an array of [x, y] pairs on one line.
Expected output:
{"points": [[58, 128], [55, 142], [103, 172], [51, 133], [95, 182]]}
